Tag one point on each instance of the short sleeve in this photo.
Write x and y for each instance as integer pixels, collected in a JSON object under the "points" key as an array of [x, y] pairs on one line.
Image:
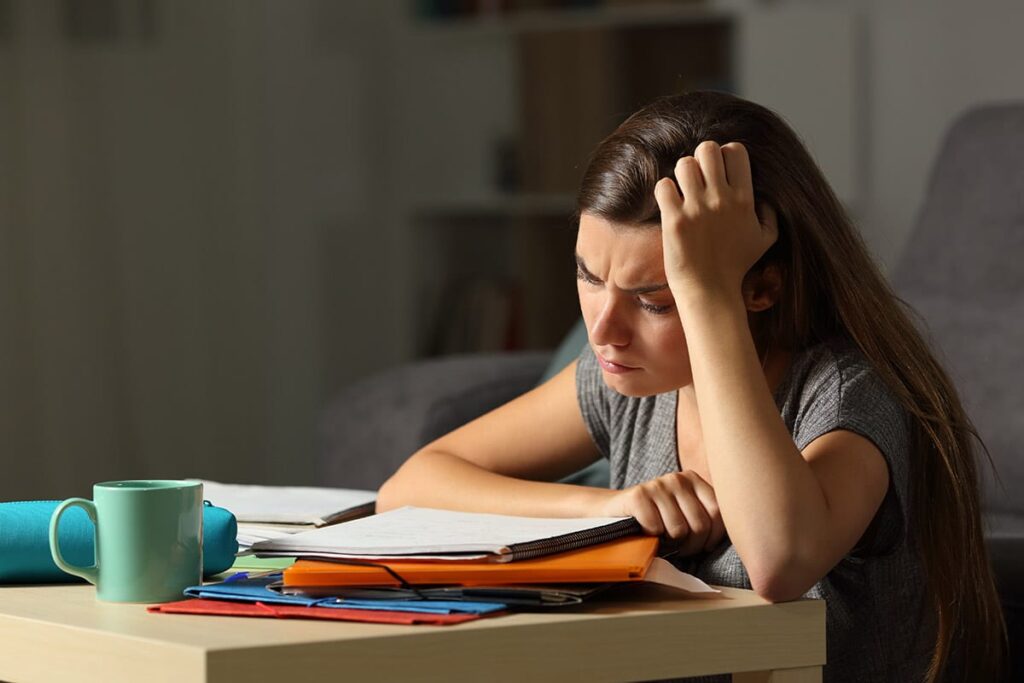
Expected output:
{"points": [[845, 392], [593, 400]]}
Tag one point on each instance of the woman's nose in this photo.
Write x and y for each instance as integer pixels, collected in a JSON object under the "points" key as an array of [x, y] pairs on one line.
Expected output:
{"points": [[610, 327]]}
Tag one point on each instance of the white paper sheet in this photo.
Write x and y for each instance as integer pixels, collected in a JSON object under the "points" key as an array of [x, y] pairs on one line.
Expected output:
{"points": [[284, 504], [412, 530], [665, 573], [250, 532]]}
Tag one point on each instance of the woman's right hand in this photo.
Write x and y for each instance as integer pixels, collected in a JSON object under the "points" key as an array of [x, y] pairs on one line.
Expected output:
{"points": [[679, 505]]}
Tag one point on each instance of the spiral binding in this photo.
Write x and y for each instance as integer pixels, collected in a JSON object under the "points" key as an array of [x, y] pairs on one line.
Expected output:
{"points": [[572, 541]]}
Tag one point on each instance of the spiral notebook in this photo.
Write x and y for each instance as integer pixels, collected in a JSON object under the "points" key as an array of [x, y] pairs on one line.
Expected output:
{"points": [[426, 533]]}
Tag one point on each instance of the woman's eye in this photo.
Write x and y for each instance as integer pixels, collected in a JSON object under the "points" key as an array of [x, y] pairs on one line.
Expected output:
{"points": [[645, 305], [580, 275], [654, 308]]}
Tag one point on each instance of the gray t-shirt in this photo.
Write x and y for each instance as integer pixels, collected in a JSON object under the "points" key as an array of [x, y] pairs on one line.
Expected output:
{"points": [[878, 624]]}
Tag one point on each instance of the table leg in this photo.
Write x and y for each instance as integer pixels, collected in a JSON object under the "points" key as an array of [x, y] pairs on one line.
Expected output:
{"points": [[807, 674]]}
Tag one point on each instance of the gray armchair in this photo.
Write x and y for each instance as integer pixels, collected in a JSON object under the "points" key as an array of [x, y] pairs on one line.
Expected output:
{"points": [[963, 271], [372, 426]]}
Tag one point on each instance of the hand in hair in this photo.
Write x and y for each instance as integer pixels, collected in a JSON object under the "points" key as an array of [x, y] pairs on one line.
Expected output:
{"points": [[711, 233], [679, 506]]}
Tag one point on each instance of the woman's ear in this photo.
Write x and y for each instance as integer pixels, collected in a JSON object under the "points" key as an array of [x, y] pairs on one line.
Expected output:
{"points": [[762, 288]]}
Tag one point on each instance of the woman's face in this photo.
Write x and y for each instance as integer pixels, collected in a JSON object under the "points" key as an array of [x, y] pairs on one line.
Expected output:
{"points": [[628, 309]]}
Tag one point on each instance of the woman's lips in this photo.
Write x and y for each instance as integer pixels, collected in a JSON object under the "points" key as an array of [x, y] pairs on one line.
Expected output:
{"points": [[614, 368]]}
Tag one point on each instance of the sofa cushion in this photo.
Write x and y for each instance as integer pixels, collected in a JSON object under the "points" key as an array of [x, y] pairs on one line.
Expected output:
{"points": [[372, 426]]}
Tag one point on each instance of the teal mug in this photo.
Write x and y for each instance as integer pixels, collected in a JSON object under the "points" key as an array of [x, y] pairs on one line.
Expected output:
{"points": [[149, 539]]}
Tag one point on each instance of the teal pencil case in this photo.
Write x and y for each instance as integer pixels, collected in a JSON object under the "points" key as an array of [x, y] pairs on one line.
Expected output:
{"points": [[25, 546]]}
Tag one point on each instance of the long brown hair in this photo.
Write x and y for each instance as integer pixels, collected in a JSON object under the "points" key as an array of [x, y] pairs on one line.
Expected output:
{"points": [[832, 286]]}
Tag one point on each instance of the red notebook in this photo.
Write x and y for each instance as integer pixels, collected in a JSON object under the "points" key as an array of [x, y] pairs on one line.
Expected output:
{"points": [[244, 609]]}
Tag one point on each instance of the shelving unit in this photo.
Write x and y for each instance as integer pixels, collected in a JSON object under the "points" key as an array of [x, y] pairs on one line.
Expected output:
{"points": [[519, 100]]}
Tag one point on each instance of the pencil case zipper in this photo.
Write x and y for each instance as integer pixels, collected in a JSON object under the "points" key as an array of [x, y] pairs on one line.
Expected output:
{"points": [[17, 502]]}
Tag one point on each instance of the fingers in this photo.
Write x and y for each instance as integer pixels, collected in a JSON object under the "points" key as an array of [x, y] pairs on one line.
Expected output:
{"points": [[682, 512], [712, 165], [673, 516], [690, 179], [697, 520], [681, 506], [654, 506], [707, 497], [737, 167], [667, 196], [645, 511]]}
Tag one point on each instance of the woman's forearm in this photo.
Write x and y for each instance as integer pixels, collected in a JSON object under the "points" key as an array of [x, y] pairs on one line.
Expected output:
{"points": [[444, 480], [773, 506]]}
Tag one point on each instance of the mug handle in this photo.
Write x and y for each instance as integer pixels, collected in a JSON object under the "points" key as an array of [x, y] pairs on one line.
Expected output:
{"points": [[90, 574]]}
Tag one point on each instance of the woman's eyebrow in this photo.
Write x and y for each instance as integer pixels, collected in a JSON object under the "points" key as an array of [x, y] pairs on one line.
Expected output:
{"points": [[645, 289]]}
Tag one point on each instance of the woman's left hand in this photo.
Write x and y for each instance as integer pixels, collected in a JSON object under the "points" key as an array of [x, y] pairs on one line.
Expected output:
{"points": [[711, 234]]}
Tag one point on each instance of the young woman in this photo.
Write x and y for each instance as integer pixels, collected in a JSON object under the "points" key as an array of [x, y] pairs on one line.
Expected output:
{"points": [[766, 404]]}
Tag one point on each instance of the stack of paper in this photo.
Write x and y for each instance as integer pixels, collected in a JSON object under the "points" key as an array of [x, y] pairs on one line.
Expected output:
{"points": [[420, 565], [422, 546], [267, 512]]}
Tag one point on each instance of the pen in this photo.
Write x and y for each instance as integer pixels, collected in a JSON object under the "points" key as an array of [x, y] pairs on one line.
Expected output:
{"points": [[238, 576]]}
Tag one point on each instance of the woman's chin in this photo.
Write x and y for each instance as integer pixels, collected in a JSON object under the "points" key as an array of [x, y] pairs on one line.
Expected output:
{"points": [[630, 384], [639, 383]]}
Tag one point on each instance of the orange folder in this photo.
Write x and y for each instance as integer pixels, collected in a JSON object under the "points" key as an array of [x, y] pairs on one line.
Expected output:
{"points": [[624, 559]]}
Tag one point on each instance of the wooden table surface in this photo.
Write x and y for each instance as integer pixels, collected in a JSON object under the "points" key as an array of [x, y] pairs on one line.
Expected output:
{"points": [[633, 632]]}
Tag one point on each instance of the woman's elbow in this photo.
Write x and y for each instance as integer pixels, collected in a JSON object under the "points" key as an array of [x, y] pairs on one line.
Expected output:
{"points": [[781, 583], [775, 589]]}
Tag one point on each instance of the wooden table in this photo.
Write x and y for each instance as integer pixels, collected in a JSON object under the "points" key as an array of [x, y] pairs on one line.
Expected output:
{"points": [[635, 632]]}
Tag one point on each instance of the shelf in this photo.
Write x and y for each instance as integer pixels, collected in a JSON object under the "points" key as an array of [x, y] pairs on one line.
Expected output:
{"points": [[521, 99], [570, 19]]}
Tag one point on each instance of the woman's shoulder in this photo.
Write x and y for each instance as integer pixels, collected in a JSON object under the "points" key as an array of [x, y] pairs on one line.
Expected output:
{"points": [[833, 384], [831, 366], [827, 362]]}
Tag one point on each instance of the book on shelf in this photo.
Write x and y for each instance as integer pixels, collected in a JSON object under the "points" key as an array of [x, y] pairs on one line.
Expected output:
{"points": [[479, 314]]}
